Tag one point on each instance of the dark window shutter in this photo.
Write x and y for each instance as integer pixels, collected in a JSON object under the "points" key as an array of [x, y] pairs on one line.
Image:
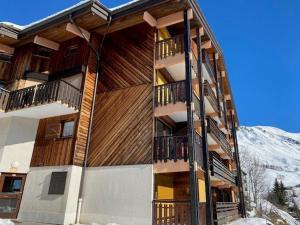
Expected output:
{"points": [[57, 183]]}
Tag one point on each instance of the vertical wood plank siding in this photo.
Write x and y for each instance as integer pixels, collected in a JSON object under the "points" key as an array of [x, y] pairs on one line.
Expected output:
{"points": [[52, 152], [127, 58], [61, 61], [4, 71], [86, 105], [123, 127]]}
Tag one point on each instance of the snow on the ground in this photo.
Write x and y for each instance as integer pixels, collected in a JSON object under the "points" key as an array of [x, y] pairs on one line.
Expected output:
{"points": [[6, 222], [279, 151], [251, 221], [284, 215]]}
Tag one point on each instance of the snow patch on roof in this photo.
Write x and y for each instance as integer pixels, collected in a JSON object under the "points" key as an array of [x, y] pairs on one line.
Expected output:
{"points": [[19, 27], [123, 5], [13, 25]]}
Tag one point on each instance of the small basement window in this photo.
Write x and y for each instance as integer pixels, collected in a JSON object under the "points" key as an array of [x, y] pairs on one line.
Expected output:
{"points": [[68, 128], [57, 183]]}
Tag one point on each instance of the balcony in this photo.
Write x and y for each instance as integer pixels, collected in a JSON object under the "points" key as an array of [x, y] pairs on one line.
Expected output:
{"points": [[220, 172], [208, 68], [211, 101], [170, 55], [218, 139], [41, 101], [170, 212], [176, 212], [172, 149], [226, 212]]}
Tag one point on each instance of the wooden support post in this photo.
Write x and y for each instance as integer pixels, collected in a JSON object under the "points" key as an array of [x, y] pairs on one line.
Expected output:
{"points": [[6, 49], [79, 32], [190, 122], [46, 43], [205, 151], [238, 165]]}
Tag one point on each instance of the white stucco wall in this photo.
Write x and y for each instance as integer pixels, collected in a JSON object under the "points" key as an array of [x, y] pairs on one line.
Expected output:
{"points": [[17, 137], [120, 194], [38, 206]]}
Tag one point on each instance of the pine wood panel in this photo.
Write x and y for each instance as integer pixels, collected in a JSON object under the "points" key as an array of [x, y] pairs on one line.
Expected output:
{"points": [[86, 105], [123, 127], [127, 58], [53, 152], [4, 70], [21, 61], [60, 60]]}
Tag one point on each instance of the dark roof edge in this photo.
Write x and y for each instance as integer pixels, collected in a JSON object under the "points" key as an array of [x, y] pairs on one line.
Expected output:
{"points": [[89, 6]]}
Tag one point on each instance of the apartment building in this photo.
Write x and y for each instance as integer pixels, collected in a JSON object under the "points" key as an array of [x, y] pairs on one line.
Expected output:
{"points": [[120, 115]]}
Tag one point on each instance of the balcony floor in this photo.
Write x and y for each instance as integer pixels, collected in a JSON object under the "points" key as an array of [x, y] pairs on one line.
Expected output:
{"points": [[41, 111]]}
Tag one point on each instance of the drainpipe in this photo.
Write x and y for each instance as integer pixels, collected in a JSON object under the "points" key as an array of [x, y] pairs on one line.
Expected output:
{"points": [[98, 58]]}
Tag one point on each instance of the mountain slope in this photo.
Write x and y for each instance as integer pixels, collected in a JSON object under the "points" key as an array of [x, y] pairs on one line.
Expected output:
{"points": [[278, 150]]}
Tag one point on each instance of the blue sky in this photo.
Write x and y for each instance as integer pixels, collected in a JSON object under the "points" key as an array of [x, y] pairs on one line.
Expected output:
{"points": [[260, 41]]}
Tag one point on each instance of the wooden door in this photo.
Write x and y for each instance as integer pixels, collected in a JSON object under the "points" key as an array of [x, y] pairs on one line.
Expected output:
{"points": [[11, 189]]}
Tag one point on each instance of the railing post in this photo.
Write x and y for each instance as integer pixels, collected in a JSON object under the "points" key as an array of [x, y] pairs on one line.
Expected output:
{"points": [[206, 165], [190, 122]]}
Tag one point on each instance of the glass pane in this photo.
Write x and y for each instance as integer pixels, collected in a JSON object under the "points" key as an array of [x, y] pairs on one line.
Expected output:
{"points": [[8, 205], [12, 184], [68, 129]]}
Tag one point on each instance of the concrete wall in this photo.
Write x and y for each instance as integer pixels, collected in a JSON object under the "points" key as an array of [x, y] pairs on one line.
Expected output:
{"points": [[119, 194], [38, 206], [17, 137]]}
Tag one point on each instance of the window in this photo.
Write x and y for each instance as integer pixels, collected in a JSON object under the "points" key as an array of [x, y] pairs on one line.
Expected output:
{"points": [[68, 128], [53, 130], [72, 50], [62, 129], [57, 183]]}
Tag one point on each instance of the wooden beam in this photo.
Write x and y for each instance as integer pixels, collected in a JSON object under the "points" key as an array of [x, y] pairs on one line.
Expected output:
{"points": [[223, 73], [74, 30], [213, 147], [46, 43], [149, 19], [228, 97], [194, 32], [206, 45], [6, 49], [173, 19], [215, 114]]}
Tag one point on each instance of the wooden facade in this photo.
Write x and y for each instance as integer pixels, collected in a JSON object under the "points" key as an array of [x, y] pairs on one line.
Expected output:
{"points": [[123, 127], [53, 151]]}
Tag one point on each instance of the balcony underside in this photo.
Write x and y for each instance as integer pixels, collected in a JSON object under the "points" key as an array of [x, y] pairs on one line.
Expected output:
{"points": [[177, 112], [214, 146], [41, 111], [170, 166], [219, 182]]}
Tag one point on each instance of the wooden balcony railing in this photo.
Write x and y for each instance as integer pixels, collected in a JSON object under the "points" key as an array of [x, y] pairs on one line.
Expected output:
{"points": [[202, 213], [226, 212], [208, 65], [198, 149], [4, 95], [176, 148], [170, 93], [54, 91], [210, 95], [171, 212], [170, 148], [219, 170], [213, 129], [196, 102], [169, 47]]}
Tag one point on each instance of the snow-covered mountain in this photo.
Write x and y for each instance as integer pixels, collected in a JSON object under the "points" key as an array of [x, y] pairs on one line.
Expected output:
{"points": [[278, 150]]}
